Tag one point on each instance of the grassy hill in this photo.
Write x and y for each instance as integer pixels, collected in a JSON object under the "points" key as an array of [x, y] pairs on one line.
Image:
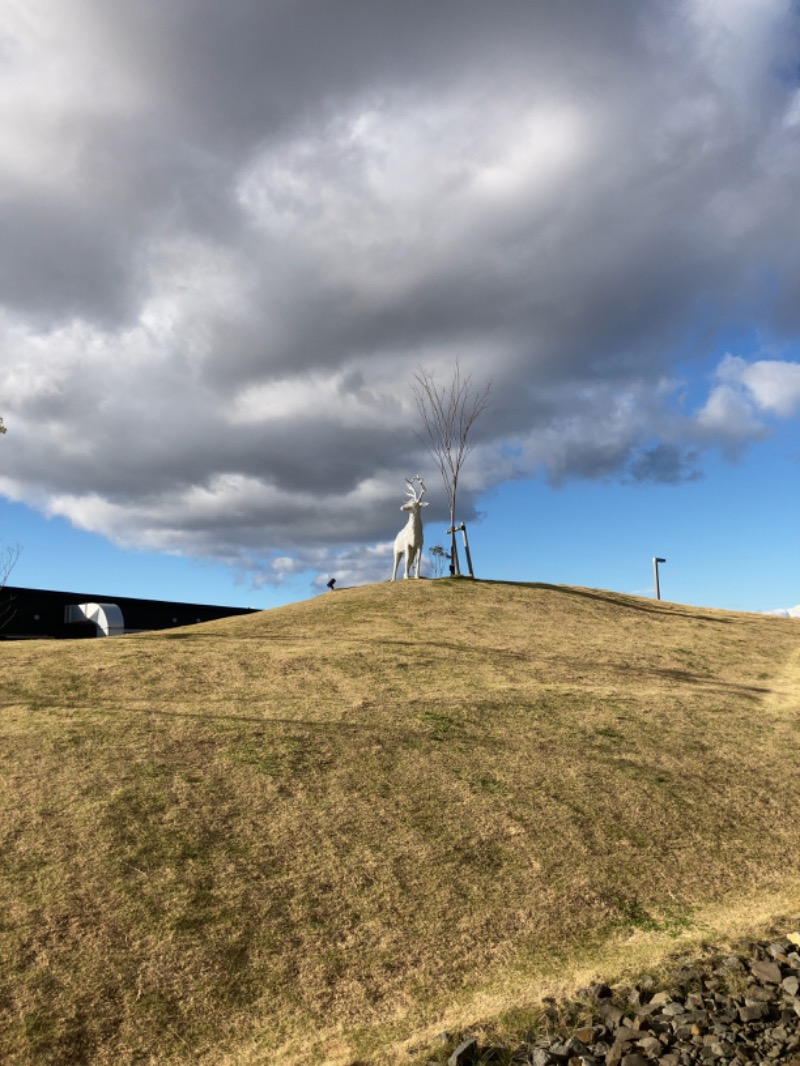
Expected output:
{"points": [[326, 832]]}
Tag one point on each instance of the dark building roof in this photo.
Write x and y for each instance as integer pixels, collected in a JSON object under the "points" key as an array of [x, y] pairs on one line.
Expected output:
{"points": [[43, 613]]}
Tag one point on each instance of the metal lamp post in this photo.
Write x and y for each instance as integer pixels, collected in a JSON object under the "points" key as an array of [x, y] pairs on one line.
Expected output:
{"points": [[655, 573]]}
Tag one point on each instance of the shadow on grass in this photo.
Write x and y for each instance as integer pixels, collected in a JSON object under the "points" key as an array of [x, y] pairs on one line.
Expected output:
{"points": [[616, 599], [685, 677]]}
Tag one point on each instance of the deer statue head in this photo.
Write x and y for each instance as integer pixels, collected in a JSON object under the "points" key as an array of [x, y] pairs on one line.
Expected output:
{"points": [[415, 502]]}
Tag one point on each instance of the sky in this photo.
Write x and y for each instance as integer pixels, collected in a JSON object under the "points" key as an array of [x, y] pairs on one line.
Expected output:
{"points": [[230, 234]]}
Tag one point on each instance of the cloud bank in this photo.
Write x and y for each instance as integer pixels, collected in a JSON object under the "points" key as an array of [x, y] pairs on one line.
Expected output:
{"points": [[229, 233], [787, 612]]}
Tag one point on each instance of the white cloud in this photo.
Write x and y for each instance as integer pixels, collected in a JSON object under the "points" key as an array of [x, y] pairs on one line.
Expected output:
{"points": [[787, 612], [773, 385], [728, 417], [746, 393]]}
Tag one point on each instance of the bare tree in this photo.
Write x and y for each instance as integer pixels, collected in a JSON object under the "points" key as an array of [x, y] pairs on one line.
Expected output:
{"points": [[439, 559], [9, 553], [2, 427], [8, 560], [448, 414]]}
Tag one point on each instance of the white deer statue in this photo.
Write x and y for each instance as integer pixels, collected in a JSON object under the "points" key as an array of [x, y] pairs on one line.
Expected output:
{"points": [[408, 541]]}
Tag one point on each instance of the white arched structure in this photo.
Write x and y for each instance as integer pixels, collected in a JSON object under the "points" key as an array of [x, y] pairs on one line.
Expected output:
{"points": [[106, 616]]}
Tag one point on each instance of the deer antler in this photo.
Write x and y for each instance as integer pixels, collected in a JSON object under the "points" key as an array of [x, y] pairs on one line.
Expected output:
{"points": [[413, 493]]}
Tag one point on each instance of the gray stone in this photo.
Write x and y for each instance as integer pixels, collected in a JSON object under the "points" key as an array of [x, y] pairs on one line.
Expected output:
{"points": [[615, 1053], [588, 1033], [752, 1012], [626, 1034], [759, 994], [465, 1054], [576, 1046], [600, 990], [712, 1024], [767, 972], [610, 1014], [660, 998], [634, 1058], [651, 1045], [673, 1008], [733, 963]]}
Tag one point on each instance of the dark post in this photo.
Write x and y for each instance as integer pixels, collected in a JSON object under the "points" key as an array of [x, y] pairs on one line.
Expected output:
{"points": [[463, 530], [655, 571]]}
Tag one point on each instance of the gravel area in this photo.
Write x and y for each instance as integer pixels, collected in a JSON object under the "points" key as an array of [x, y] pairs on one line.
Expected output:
{"points": [[738, 1006]]}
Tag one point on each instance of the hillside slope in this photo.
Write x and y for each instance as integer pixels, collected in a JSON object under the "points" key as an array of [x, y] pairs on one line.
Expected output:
{"points": [[323, 831]]}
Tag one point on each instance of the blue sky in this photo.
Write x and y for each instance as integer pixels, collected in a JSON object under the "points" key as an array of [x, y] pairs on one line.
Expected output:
{"points": [[230, 235], [729, 540]]}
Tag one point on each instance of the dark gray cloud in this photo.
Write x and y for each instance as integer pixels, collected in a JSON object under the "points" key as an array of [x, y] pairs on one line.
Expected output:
{"points": [[668, 464], [229, 232]]}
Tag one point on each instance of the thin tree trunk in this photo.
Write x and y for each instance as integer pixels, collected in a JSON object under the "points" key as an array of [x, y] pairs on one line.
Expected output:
{"points": [[454, 553]]}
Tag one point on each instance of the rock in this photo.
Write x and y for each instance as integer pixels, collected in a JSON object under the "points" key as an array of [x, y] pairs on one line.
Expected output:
{"points": [[634, 1059], [753, 1012], [602, 991], [626, 1034], [699, 1016], [615, 1053], [672, 1008], [766, 972], [651, 1045], [610, 1014], [759, 993], [465, 1054], [588, 1033], [660, 998], [733, 963], [541, 1057]]}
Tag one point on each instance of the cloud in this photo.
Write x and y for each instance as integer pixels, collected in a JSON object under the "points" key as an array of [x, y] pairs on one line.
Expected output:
{"points": [[773, 385], [228, 235], [745, 393], [787, 612], [667, 464]]}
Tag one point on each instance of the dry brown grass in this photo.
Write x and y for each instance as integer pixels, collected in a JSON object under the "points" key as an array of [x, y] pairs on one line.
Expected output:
{"points": [[325, 832]]}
